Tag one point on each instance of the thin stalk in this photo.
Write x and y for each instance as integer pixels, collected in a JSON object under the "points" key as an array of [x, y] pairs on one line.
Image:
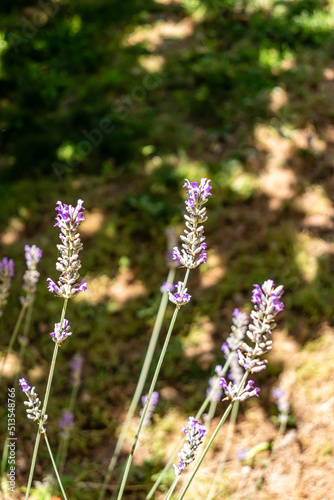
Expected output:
{"points": [[211, 413], [154, 380], [227, 444], [141, 382], [13, 338], [26, 325], [280, 433], [182, 440], [54, 465], [172, 488], [63, 446], [222, 420], [45, 404]]}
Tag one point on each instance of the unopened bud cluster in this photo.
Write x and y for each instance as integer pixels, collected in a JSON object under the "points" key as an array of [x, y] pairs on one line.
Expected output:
{"points": [[266, 300], [68, 220], [150, 408], [33, 403], [194, 432], [6, 274], [33, 255], [193, 251], [61, 332]]}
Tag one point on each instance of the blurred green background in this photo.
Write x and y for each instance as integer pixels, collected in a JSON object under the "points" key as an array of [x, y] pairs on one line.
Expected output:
{"points": [[116, 102]]}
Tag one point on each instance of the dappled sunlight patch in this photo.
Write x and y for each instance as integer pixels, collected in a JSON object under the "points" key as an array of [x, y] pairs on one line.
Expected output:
{"points": [[278, 98], [308, 250], [11, 366], [152, 63], [213, 271], [92, 223], [156, 33], [318, 208], [12, 233], [306, 138], [199, 342], [278, 184], [278, 145], [117, 291]]}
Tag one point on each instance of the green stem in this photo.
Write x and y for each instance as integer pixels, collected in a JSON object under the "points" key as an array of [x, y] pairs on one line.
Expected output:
{"points": [[13, 338], [227, 444], [172, 488], [141, 382], [45, 404], [154, 380], [54, 465], [64, 442], [182, 440]]}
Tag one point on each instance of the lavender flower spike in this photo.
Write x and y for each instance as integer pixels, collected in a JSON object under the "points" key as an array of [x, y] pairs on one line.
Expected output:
{"points": [[68, 220], [179, 298], [151, 407], [266, 300], [60, 334], [232, 392], [6, 274], [34, 403], [193, 251], [33, 255], [66, 423], [194, 432]]}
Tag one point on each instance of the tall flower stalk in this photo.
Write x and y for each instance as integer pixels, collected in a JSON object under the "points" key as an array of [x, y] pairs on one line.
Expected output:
{"points": [[6, 274], [34, 413], [66, 423], [165, 288], [193, 253], [68, 263], [33, 255], [214, 392], [266, 300]]}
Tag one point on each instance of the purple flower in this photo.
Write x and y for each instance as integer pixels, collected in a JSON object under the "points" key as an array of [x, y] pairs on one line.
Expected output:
{"points": [[6, 274], [76, 365], [33, 404], [266, 300], [24, 385], [60, 334], [150, 408], [33, 255], [180, 298], [66, 423], [193, 251], [242, 454], [235, 393], [282, 405], [68, 264], [194, 432], [167, 287]]}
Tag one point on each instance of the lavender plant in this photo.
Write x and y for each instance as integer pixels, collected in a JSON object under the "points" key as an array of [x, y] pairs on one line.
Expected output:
{"points": [[267, 305], [68, 220], [192, 255], [151, 407], [194, 432], [34, 412], [33, 254], [6, 274], [214, 392], [166, 287], [66, 423]]}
